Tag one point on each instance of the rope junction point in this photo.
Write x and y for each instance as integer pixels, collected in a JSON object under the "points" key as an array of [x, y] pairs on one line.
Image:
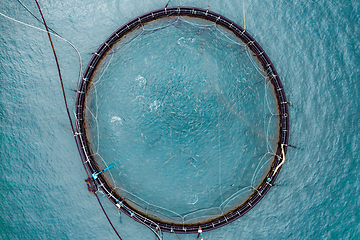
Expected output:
{"points": [[91, 185], [99, 182]]}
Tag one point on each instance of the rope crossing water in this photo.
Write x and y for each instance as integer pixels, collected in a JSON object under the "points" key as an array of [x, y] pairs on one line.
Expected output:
{"points": [[88, 181]]}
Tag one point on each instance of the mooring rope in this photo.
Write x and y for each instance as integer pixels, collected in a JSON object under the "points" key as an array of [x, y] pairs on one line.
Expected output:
{"points": [[67, 109], [107, 216], [282, 159], [244, 15]]}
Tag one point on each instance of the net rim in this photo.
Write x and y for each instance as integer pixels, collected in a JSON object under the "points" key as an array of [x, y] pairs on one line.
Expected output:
{"points": [[91, 166]]}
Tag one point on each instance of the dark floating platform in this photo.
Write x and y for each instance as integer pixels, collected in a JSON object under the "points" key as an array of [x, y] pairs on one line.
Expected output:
{"points": [[91, 166]]}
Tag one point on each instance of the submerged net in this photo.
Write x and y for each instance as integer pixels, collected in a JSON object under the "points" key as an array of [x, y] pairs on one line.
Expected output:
{"points": [[187, 115]]}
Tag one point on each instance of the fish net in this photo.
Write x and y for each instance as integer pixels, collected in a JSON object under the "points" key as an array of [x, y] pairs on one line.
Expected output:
{"points": [[186, 118]]}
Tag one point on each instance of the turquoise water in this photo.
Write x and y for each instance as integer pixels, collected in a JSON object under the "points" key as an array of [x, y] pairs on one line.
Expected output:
{"points": [[315, 49]]}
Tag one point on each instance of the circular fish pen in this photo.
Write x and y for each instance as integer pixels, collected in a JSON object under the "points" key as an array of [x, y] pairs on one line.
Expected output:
{"points": [[197, 130]]}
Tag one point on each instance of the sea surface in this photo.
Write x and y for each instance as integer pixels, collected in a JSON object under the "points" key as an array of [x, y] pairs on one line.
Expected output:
{"points": [[314, 46]]}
